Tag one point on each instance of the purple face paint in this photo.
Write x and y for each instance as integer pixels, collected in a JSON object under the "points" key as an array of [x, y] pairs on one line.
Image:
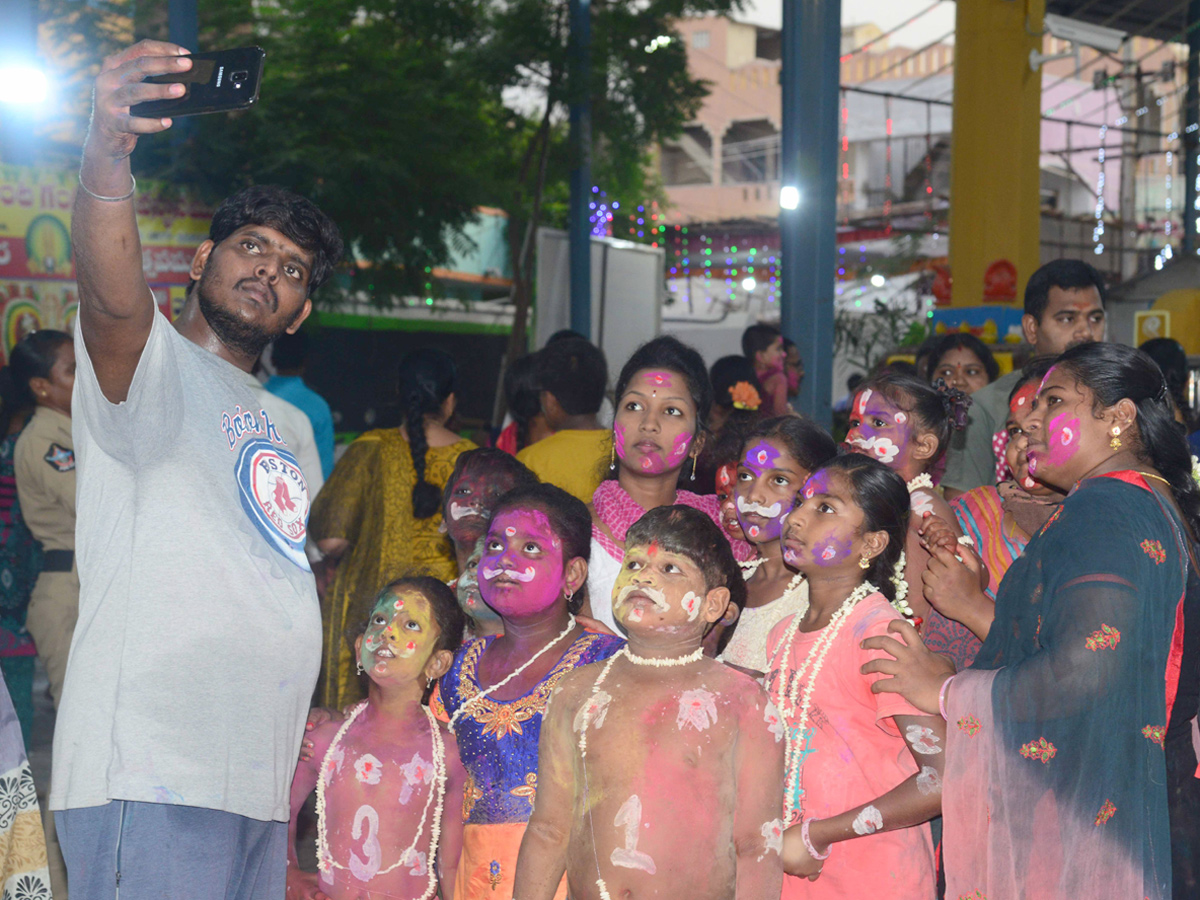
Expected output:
{"points": [[524, 559], [761, 457], [887, 442], [831, 550]]}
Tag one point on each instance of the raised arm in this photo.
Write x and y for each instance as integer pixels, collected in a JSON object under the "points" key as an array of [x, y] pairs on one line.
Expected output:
{"points": [[116, 307], [543, 857], [757, 828]]}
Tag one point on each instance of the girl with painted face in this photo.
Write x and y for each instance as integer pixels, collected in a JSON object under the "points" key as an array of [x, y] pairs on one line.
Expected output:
{"points": [[858, 765], [532, 574], [776, 460], [660, 771], [1082, 698], [388, 778], [961, 581], [663, 399], [479, 479], [906, 424]]}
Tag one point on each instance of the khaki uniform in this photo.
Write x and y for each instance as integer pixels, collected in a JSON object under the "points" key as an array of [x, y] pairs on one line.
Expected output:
{"points": [[44, 464]]}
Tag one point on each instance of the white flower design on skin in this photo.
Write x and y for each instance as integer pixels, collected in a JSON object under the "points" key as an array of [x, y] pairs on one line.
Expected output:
{"points": [[923, 740], [697, 708], [772, 833], [922, 503], [368, 769], [868, 821], [774, 721], [691, 605], [595, 709], [882, 448], [417, 771], [929, 781], [336, 760], [419, 867]]}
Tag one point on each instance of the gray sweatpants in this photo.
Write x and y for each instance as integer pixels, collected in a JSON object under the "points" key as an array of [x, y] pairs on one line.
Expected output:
{"points": [[126, 850]]}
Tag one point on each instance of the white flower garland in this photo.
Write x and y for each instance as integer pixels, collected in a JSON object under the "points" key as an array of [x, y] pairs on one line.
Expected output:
{"points": [[793, 758], [900, 604], [325, 859], [750, 566], [1196, 470], [924, 480], [515, 672]]}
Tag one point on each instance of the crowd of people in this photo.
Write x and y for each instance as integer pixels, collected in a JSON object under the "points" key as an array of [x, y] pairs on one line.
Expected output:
{"points": [[672, 641]]}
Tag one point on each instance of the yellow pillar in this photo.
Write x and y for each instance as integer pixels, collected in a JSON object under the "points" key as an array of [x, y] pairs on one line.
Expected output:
{"points": [[994, 177]]}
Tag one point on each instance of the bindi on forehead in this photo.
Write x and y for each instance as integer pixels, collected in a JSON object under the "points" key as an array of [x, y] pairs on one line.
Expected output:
{"points": [[658, 379], [761, 456]]}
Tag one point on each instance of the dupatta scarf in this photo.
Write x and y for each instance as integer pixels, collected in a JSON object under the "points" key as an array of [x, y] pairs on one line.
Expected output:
{"points": [[1056, 781]]}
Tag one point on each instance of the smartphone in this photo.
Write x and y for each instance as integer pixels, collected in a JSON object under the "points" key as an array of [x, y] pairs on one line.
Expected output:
{"points": [[217, 82]]}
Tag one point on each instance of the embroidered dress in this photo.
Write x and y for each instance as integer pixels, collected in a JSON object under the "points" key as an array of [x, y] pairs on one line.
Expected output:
{"points": [[368, 501], [1056, 776], [618, 511], [498, 745]]}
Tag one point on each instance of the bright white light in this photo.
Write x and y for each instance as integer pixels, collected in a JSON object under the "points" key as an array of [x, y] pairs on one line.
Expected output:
{"points": [[749, 284], [661, 41], [878, 280], [789, 197], [23, 84]]}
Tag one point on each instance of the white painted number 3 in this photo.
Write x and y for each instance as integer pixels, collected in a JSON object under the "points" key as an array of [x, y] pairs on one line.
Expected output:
{"points": [[629, 857], [365, 871]]}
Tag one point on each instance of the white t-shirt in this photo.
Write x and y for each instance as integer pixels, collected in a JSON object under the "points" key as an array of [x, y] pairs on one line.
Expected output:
{"points": [[199, 634]]}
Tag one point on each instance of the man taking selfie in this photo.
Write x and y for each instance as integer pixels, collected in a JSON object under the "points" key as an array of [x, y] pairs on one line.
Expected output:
{"points": [[199, 632]]}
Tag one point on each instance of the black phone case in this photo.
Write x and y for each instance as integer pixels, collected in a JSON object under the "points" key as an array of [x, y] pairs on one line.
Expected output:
{"points": [[217, 82]]}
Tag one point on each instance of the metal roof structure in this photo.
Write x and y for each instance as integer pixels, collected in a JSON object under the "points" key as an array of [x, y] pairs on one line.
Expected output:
{"points": [[1164, 20]]}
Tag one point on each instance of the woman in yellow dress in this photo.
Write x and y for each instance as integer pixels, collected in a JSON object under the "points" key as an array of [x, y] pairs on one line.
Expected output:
{"points": [[377, 516]]}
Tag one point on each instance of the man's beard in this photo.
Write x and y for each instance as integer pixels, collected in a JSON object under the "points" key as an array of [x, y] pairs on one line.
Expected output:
{"points": [[231, 330]]}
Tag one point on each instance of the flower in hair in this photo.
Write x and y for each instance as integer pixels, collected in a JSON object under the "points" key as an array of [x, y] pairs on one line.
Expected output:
{"points": [[745, 396], [901, 603], [955, 402], [1196, 470]]}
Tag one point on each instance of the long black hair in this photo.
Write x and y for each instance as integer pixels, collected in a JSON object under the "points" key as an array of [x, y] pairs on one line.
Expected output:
{"points": [[427, 378], [883, 497], [522, 394], [32, 357], [1114, 372], [569, 520]]}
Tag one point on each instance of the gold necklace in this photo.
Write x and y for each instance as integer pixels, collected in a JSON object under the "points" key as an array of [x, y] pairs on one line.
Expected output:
{"points": [[1152, 475]]}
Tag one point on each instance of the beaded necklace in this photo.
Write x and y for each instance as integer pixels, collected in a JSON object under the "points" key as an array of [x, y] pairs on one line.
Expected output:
{"points": [[589, 709], [515, 672], [325, 859], [814, 659]]}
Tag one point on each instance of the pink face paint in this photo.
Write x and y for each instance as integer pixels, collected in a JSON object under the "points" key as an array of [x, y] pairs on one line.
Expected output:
{"points": [[619, 440], [661, 379], [530, 558], [1062, 439], [679, 450]]}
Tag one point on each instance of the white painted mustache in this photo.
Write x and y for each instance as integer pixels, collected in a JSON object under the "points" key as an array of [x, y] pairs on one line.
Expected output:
{"points": [[525, 576], [457, 512], [770, 512], [657, 597]]}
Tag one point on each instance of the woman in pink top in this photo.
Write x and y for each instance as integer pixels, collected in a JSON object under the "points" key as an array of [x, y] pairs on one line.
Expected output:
{"points": [[862, 770]]}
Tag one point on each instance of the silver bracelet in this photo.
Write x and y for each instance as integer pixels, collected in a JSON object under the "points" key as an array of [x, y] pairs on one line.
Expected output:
{"points": [[108, 199]]}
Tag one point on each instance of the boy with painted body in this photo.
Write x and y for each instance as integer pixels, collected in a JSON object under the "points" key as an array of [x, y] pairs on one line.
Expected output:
{"points": [[392, 784], [660, 771]]}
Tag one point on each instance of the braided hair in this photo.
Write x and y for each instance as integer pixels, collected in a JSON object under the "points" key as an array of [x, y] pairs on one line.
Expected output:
{"points": [[426, 379], [1115, 372]]}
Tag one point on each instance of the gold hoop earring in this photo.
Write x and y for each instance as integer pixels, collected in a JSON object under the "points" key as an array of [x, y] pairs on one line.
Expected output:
{"points": [[865, 562], [1115, 443]]}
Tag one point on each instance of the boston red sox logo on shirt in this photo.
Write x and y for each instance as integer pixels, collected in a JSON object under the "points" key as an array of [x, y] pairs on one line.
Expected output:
{"points": [[275, 496]]}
